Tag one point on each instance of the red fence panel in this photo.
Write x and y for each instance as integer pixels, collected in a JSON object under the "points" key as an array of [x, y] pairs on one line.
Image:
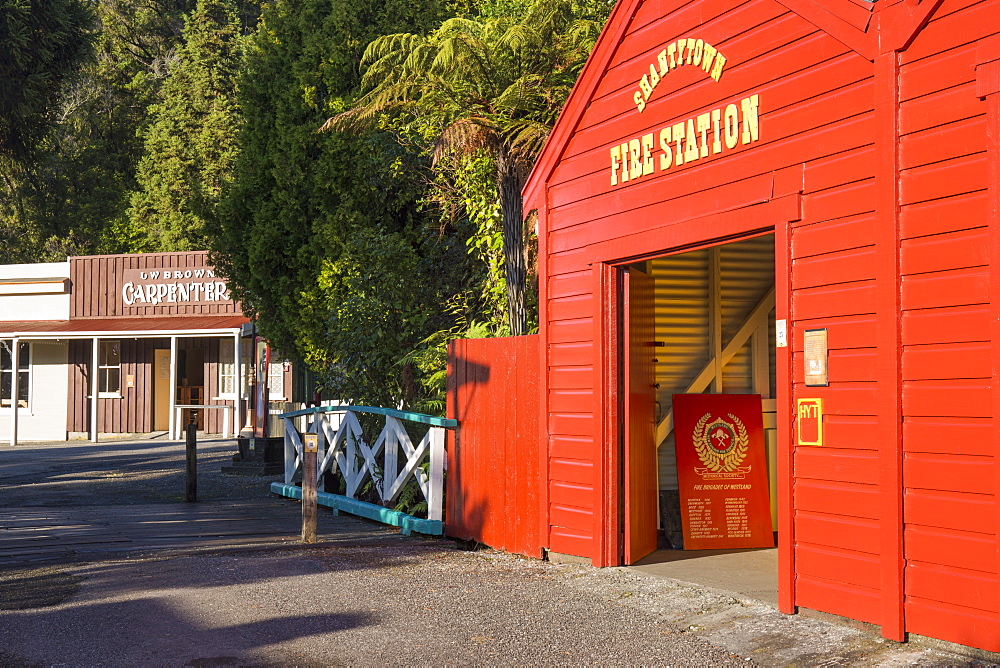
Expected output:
{"points": [[493, 460]]}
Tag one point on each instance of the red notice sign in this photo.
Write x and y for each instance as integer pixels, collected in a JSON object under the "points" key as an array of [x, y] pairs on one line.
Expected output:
{"points": [[722, 471]]}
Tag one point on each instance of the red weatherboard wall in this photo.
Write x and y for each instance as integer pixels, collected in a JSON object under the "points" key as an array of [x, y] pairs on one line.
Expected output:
{"points": [[949, 240], [872, 168], [492, 481]]}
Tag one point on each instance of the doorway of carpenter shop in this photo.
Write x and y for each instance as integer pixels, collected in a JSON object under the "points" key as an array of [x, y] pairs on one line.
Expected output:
{"points": [[698, 322]]}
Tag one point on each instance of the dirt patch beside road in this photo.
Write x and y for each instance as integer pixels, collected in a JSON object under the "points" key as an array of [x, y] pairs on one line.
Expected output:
{"points": [[27, 588]]}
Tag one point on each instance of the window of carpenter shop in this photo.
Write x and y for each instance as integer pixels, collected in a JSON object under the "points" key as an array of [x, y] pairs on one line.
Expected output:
{"points": [[227, 369], [109, 369], [7, 373]]}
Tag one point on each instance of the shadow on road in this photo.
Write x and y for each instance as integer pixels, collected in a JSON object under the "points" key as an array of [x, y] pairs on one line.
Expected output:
{"points": [[72, 502], [155, 627]]}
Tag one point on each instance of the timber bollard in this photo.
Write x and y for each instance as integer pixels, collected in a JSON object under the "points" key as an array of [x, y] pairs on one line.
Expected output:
{"points": [[191, 437], [310, 446]]}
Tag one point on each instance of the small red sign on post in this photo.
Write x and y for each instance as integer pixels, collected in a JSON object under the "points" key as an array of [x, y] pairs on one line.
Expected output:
{"points": [[722, 471]]}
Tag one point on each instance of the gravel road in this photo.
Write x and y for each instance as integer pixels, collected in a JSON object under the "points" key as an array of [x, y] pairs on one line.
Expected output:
{"points": [[364, 596]]}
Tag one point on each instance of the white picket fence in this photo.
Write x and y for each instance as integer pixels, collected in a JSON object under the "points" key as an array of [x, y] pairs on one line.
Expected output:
{"points": [[389, 460]]}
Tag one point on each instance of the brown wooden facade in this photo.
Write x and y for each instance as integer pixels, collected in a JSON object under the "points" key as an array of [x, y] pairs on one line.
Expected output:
{"points": [[133, 412], [98, 291], [97, 283]]}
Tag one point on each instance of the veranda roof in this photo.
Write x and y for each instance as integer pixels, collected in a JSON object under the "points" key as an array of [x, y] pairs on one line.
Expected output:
{"points": [[139, 328]]}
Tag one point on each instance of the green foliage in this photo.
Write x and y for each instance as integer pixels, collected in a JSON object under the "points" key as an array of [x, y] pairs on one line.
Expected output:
{"points": [[190, 145], [493, 84], [373, 307], [91, 159], [496, 83], [42, 42], [464, 186], [74, 194], [362, 249], [484, 88], [411, 500], [590, 10], [430, 359], [322, 234]]}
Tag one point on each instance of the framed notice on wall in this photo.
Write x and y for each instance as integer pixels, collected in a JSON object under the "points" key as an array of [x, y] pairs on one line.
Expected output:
{"points": [[722, 471], [815, 357]]}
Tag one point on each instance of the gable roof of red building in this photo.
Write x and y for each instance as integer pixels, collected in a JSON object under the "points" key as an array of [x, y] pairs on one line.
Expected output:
{"points": [[848, 21]]}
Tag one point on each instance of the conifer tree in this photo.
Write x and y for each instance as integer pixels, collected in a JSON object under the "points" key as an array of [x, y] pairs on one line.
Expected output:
{"points": [[191, 143], [322, 234], [41, 44]]}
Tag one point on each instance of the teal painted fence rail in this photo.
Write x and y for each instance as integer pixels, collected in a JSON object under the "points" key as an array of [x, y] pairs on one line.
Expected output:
{"points": [[343, 504], [375, 410]]}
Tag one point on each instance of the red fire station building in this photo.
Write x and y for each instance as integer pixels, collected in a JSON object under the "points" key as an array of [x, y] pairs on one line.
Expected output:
{"points": [[796, 199]]}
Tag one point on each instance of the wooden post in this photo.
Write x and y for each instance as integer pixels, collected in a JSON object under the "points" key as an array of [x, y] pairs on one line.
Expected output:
{"points": [[290, 451], [435, 495], [15, 389], [715, 316], [310, 446], [237, 383], [175, 427], [94, 387], [191, 492]]}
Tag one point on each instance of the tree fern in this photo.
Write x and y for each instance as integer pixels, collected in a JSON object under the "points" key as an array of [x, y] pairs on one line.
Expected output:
{"points": [[495, 84]]}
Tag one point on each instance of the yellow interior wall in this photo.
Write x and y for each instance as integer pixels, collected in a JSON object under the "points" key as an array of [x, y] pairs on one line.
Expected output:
{"points": [[682, 325]]}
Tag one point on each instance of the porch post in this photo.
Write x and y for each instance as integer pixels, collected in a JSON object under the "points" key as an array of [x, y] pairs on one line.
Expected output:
{"points": [[14, 367], [94, 387], [715, 316], [237, 383], [174, 427]]}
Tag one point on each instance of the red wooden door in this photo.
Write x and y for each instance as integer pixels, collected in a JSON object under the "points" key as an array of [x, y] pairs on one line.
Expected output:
{"points": [[640, 448], [493, 461]]}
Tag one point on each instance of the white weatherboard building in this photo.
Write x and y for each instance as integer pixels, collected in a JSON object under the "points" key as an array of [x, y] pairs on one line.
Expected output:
{"points": [[34, 293]]}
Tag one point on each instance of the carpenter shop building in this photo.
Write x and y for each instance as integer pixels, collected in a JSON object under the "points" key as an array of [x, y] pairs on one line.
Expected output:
{"points": [[120, 344]]}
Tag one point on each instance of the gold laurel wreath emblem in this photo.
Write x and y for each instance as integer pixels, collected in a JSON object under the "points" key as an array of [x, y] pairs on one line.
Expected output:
{"points": [[713, 460]]}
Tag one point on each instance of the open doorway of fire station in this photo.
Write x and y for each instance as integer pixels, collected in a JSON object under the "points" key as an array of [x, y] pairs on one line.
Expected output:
{"points": [[700, 321]]}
